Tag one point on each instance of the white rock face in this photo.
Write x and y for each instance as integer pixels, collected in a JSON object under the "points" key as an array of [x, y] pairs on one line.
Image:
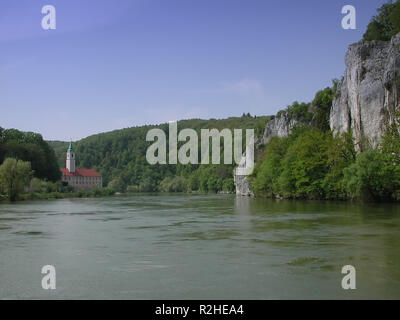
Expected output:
{"points": [[280, 127], [367, 95], [242, 185], [366, 100]]}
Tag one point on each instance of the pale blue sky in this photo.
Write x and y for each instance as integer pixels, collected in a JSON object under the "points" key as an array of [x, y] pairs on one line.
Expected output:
{"points": [[115, 64]]}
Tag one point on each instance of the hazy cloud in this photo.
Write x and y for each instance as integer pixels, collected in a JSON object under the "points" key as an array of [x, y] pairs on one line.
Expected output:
{"points": [[243, 86]]}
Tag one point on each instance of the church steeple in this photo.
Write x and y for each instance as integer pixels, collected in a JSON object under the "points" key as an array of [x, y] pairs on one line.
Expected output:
{"points": [[70, 163]]}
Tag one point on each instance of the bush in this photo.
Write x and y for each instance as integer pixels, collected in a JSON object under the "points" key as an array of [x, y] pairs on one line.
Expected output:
{"points": [[173, 184], [36, 185], [15, 175], [369, 178], [228, 185], [117, 184], [132, 189]]}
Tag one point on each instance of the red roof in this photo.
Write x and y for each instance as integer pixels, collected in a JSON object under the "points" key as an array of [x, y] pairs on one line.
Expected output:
{"points": [[81, 173]]}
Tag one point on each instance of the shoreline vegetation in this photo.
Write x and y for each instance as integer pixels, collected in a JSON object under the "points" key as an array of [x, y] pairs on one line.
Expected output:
{"points": [[311, 163], [59, 195], [96, 193]]}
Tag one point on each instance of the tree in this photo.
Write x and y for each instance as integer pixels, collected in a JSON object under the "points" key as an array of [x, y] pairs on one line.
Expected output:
{"points": [[294, 166], [228, 185], [29, 146], [14, 176], [390, 145], [386, 24], [369, 178], [322, 104], [268, 170], [117, 185], [341, 154], [305, 165], [121, 154], [390, 151]]}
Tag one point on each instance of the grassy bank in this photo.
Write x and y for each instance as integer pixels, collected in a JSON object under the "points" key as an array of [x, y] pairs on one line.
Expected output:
{"points": [[61, 195]]}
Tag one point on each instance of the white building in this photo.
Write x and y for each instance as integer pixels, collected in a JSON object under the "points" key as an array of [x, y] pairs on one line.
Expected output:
{"points": [[79, 178]]}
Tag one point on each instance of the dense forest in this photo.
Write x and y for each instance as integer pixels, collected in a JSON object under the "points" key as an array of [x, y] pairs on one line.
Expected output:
{"points": [[316, 164], [31, 147], [120, 156], [385, 24]]}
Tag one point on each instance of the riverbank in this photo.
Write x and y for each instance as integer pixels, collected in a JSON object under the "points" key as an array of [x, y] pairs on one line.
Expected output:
{"points": [[106, 192], [60, 195]]}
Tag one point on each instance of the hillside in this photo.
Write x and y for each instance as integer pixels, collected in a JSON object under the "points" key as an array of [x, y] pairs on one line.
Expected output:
{"points": [[344, 144], [120, 156], [355, 154]]}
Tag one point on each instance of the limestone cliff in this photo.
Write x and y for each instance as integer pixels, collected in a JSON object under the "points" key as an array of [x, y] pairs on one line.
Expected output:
{"points": [[365, 100], [279, 126], [367, 95]]}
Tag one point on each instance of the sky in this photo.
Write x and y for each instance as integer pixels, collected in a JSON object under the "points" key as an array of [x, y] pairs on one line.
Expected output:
{"points": [[112, 64]]}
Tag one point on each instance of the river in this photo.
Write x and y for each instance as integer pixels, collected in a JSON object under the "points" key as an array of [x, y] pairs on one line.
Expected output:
{"points": [[198, 247]]}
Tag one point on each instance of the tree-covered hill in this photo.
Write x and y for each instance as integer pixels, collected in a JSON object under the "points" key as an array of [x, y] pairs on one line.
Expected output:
{"points": [[29, 146], [312, 162], [120, 156]]}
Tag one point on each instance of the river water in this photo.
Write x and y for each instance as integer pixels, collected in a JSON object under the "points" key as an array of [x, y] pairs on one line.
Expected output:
{"points": [[198, 247]]}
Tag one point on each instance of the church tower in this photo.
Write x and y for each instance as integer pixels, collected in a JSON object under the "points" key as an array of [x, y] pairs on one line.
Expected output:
{"points": [[70, 163]]}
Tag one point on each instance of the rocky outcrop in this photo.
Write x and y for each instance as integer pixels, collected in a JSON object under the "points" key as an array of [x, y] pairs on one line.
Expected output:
{"points": [[279, 126], [242, 185], [367, 96], [365, 102]]}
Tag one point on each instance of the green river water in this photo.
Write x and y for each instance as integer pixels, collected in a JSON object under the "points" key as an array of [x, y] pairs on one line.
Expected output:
{"points": [[198, 247]]}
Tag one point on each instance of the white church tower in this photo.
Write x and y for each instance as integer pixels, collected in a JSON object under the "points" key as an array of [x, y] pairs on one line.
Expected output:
{"points": [[70, 163]]}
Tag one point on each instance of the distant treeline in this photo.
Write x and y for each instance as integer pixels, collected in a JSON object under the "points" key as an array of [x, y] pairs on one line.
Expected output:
{"points": [[120, 156]]}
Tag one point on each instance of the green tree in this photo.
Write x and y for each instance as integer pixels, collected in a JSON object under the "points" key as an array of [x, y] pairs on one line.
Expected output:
{"points": [[121, 154], [385, 24], [36, 185], [341, 154], [305, 165], [117, 185], [390, 145], [15, 175], [228, 185], [214, 184], [194, 183], [390, 151], [369, 178], [268, 170], [322, 104], [29, 146]]}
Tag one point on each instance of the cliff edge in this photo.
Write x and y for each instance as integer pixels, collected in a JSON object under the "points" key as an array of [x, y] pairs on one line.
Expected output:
{"points": [[367, 95], [365, 102]]}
